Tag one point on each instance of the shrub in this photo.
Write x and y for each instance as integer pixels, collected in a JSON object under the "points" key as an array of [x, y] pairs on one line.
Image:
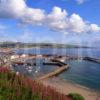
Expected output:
{"points": [[19, 87], [76, 96]]}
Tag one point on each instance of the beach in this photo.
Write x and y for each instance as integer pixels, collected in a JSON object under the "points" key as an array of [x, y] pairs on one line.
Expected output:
{"points": [[68, 87]]}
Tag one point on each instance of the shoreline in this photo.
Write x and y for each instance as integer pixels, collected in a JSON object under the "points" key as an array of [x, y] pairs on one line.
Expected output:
{"points": [[67, 87], [79, 85]]}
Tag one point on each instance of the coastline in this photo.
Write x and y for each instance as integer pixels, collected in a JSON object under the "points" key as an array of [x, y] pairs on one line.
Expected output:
{"points": [[79, 85], [67, 87]]}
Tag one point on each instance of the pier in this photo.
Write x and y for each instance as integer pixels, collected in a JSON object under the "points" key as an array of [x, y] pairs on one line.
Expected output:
{"points": [[54, 62], [54, 73], [92, 59], [61, 66], [21, 63]]}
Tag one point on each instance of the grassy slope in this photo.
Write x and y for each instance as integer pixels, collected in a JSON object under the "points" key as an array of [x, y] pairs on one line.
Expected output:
{"points": [[18, 87]]}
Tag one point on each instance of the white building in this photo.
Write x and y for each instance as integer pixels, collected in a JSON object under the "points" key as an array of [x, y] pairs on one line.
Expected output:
{"points": [[14, 57], [24, 56], [39, 56]]}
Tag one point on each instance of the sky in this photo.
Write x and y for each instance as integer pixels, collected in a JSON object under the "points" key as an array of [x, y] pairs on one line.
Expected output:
{"points": [[54, 21]]}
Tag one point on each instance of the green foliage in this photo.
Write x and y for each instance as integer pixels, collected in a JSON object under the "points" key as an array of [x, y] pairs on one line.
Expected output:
{"points": [[76, 96], [13, 88], [19, 87]]}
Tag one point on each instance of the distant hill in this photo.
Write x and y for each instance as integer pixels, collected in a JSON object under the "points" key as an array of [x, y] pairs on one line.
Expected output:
{"points": [[53, 45]]}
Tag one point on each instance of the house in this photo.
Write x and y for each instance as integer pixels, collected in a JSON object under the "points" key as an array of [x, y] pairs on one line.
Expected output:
{"points": [[24, 56], [14, 57]]}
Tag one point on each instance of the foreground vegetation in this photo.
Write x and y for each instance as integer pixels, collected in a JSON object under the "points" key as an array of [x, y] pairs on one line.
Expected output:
{"points": [[76, 96], [17, 87]]}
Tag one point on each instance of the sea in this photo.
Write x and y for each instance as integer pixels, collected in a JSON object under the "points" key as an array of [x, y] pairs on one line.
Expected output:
{"points": [[85, 73]]}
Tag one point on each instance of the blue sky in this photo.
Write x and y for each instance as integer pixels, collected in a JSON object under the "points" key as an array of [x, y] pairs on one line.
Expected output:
{"points": [[29, 29]]}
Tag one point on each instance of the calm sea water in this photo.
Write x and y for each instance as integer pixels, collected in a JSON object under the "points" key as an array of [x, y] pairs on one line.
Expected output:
{"points": [[82, 72], [31, 70], [63, 51]]}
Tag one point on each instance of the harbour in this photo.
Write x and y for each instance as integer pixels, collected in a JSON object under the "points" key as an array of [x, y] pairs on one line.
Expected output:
{"points": [[38, 64]]}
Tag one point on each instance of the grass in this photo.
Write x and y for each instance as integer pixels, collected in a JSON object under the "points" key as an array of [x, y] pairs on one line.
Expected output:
{"points": [[76, 96], [18, 87]]}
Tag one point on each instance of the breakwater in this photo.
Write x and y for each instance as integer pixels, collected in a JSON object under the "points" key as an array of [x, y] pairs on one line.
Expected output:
{"points": [[53, 73], [92, 59]]}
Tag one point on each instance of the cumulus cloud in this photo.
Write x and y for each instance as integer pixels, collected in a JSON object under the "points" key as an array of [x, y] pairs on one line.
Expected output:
{"points": [[33, 16], [57, 20], [76, 23], [12, 8], [94, 28], [19, 10]]}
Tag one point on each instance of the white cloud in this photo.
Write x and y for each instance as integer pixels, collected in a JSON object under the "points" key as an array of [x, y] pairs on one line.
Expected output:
{"points": [[80, 1], [12, 8], [56, 20], [33, 16], [94, 28], [76, 24], [2, 27], [5, 37], [57, 14], [25, 36], [19, 10]]}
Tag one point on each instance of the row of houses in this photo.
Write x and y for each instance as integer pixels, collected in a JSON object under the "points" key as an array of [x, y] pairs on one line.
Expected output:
{"points": [[25, 56]]}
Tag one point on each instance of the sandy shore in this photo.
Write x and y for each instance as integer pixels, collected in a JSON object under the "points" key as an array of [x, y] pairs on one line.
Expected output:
{"points": [[67, 87]]}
